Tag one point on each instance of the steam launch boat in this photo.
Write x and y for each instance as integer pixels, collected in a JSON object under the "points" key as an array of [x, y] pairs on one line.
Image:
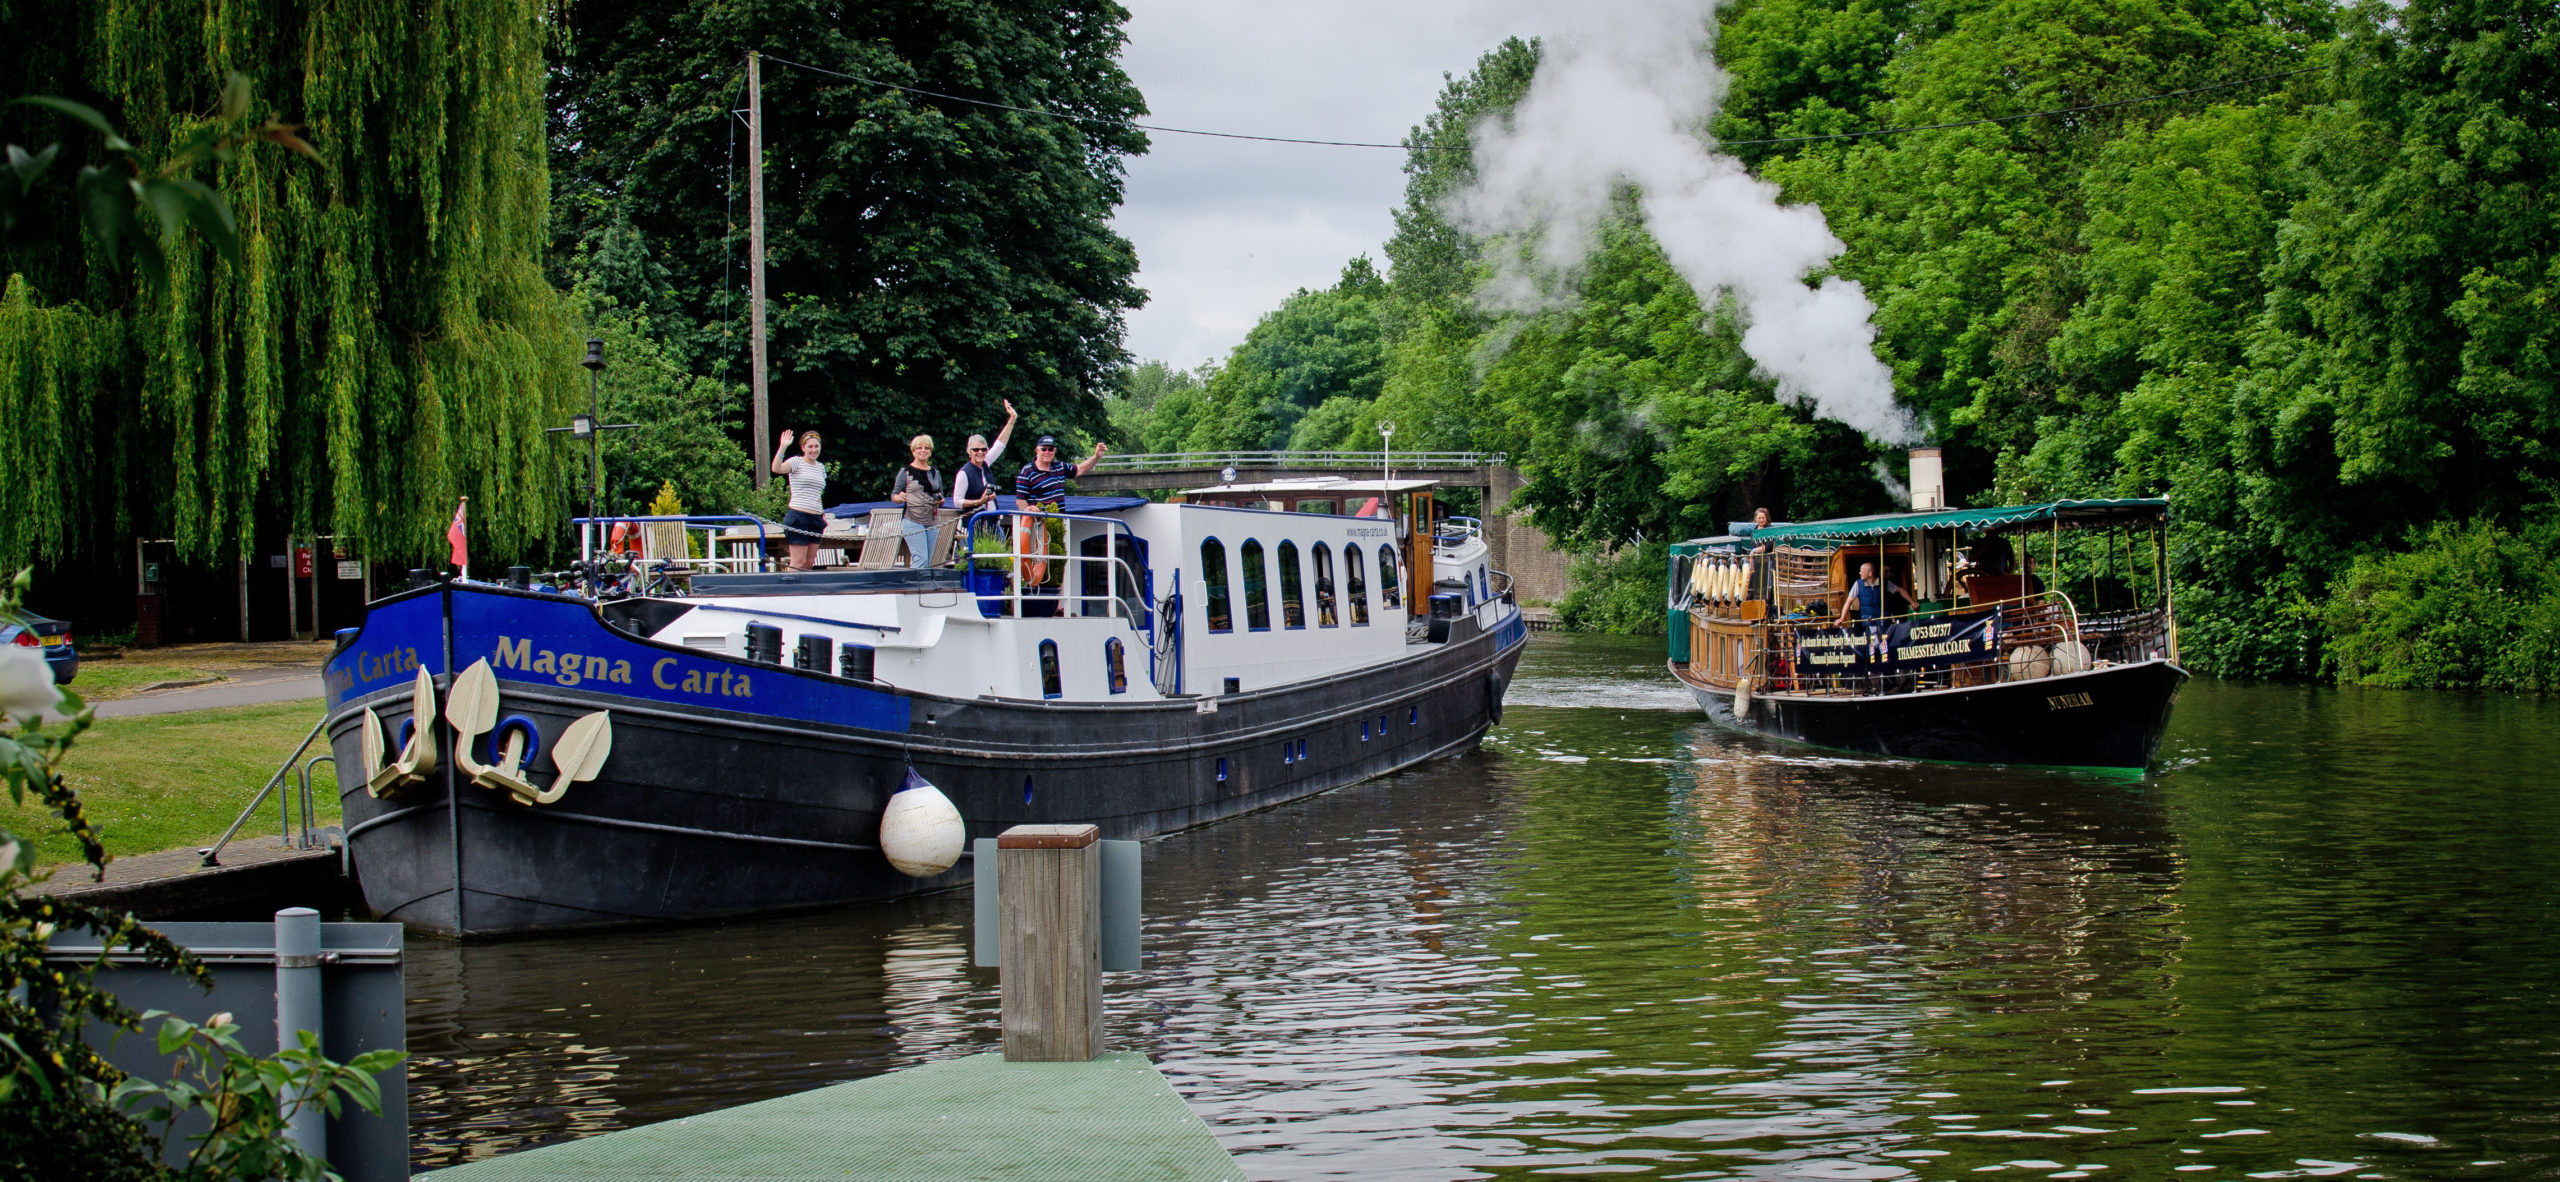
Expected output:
{"points": [[1992, 658], [737, 740]]}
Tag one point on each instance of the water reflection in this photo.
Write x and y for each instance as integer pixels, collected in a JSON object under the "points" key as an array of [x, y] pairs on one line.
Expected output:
{"points": [[1618, 940]]}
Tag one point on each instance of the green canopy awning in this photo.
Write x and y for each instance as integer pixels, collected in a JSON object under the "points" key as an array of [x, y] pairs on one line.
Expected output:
{"points": [[2068, 513]]}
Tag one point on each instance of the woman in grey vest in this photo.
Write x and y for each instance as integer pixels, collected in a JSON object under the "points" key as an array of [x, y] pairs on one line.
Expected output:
{"points": [[918, 491]]}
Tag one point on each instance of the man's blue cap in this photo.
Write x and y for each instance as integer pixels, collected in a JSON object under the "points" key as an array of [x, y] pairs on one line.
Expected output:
{"points": [[1047, 441]]}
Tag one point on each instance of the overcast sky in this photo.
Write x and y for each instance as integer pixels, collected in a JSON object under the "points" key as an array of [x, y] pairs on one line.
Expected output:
{"points": [[1226, 229]]}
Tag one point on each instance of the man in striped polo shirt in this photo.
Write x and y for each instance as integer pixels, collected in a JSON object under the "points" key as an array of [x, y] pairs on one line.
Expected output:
{"points": [[1041, 487]]}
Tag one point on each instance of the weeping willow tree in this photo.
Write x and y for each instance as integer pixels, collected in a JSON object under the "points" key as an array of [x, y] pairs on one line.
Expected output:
{"points": [[386, 343]]}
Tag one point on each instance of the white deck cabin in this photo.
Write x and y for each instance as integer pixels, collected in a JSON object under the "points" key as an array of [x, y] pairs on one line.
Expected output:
{"points": [[1275, 584]]}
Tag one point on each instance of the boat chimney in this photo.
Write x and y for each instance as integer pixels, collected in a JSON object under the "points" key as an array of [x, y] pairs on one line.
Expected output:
{"points": [[1928, 479]]}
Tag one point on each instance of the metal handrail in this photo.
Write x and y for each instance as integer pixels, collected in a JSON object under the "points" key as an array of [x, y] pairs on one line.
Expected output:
{"points": [[1757, 663], [1158, 461], [309, 829], [1069, 562], [1468, 527], [213, 853], [586, 537]]}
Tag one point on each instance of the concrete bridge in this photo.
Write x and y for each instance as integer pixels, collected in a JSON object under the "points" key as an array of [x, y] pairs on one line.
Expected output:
{"points": [[1537, 570]]}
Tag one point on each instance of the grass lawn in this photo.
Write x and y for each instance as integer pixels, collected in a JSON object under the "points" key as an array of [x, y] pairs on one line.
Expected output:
{"points": [[164, 781], [105, 681]]}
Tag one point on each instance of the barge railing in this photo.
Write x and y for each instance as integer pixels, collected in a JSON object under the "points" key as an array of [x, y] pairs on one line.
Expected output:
{"points": [[1769, 660], [1068, 564]]}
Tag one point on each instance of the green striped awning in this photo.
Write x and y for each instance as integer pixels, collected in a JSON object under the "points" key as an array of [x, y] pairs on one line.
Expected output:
{"points": [[2069, 513]]}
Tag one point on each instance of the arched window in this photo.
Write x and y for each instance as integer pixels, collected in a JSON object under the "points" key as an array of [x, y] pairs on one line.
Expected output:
{"points": [[1049, 680], [1388, 593], [1358, 588], [1293, 608], [1115, 659], [1257, 603], [1325, 617], [1484, 585], [1213, 573]]}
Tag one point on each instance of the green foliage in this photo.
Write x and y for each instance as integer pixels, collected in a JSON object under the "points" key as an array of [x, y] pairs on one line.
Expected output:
{"points": [[666, 503], [248, 1101], [1316, 347], [2314, 309], [2471, 605], [384, 342], [64, 1110], [926, 259], [1617, 591], [689, 424], [1154, 407]]}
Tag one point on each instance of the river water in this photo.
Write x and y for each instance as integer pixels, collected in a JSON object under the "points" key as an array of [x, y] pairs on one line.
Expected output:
{"points": [[2320, 941]]}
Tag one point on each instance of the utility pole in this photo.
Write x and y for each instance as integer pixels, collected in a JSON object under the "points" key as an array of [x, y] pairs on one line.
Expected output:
{"points": [[763, 429]]}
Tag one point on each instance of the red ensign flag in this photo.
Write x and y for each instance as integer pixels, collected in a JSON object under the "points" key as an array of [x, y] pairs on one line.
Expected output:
{"points": [[457, 535]]}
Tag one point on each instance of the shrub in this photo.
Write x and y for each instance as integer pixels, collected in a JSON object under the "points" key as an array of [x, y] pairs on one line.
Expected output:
{"points": [[2466, 606], [1620, 591]]}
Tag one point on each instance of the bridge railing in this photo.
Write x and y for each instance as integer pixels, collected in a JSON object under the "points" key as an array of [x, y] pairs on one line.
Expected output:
{"points": [[1349, 460]]}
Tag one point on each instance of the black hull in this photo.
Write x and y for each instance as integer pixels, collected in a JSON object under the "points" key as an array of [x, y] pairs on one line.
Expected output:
{"points": [[703, 812], [2108, 718]]}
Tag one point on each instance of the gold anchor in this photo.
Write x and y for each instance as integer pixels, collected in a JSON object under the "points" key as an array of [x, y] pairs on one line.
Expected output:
{"points": [[472, 707], [387, 780]]}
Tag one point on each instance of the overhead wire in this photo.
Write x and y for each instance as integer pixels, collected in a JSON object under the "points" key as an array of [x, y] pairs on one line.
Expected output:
{"points": [[1281, 139]]}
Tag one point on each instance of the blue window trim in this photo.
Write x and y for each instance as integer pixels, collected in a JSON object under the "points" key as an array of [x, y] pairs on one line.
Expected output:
{"points": [[1209, 592], [1115, 665], [1222, 769], [1244, 586], [1048, 665], [1285, 556], [1364, 730]]}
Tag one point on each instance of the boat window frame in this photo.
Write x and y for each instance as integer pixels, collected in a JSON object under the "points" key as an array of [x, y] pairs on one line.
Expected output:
{"points": [[1320, 556], [1391, 595], [1053, 679], [1115, 664], [1214, 585], [1293, 585], [1255, 583], [1356, 583]]}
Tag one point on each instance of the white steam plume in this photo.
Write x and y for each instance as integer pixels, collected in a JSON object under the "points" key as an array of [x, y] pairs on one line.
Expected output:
{"points": [[1623, 97]]}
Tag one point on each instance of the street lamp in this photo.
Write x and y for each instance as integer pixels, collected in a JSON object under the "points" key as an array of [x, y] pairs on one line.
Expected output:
{"points": [[591, 428], [1386, 462]]}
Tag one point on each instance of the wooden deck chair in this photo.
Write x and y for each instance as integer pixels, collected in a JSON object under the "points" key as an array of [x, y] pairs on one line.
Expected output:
{"points": [[662, 545], [946, 538], [880, 540]]}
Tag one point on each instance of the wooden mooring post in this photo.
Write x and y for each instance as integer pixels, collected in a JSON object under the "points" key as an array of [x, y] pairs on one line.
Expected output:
{"points": [[1049, 888]]}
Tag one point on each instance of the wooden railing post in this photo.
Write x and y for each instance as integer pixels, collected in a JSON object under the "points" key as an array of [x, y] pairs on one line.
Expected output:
{"points": [[1049, 883]]}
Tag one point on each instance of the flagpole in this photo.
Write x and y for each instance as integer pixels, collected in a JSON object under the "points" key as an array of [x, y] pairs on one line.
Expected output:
{"points": [[463, 515]]}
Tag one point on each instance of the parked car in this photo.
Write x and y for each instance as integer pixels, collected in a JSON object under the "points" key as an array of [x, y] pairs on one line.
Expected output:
{"points": [[29, 630]]}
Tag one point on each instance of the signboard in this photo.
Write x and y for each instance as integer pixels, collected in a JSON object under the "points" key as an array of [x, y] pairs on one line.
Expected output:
{"points": [[302, 562], [350, 569], [1899, 647]]}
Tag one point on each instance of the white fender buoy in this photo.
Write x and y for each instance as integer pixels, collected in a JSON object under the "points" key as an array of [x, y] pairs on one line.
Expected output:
{"points": [[2028, 662], [2070, 656], [921, 833], [1742, 698]]}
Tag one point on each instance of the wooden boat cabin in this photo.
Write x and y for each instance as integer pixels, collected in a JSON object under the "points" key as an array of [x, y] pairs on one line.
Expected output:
{"points": [[1973, 597]]}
